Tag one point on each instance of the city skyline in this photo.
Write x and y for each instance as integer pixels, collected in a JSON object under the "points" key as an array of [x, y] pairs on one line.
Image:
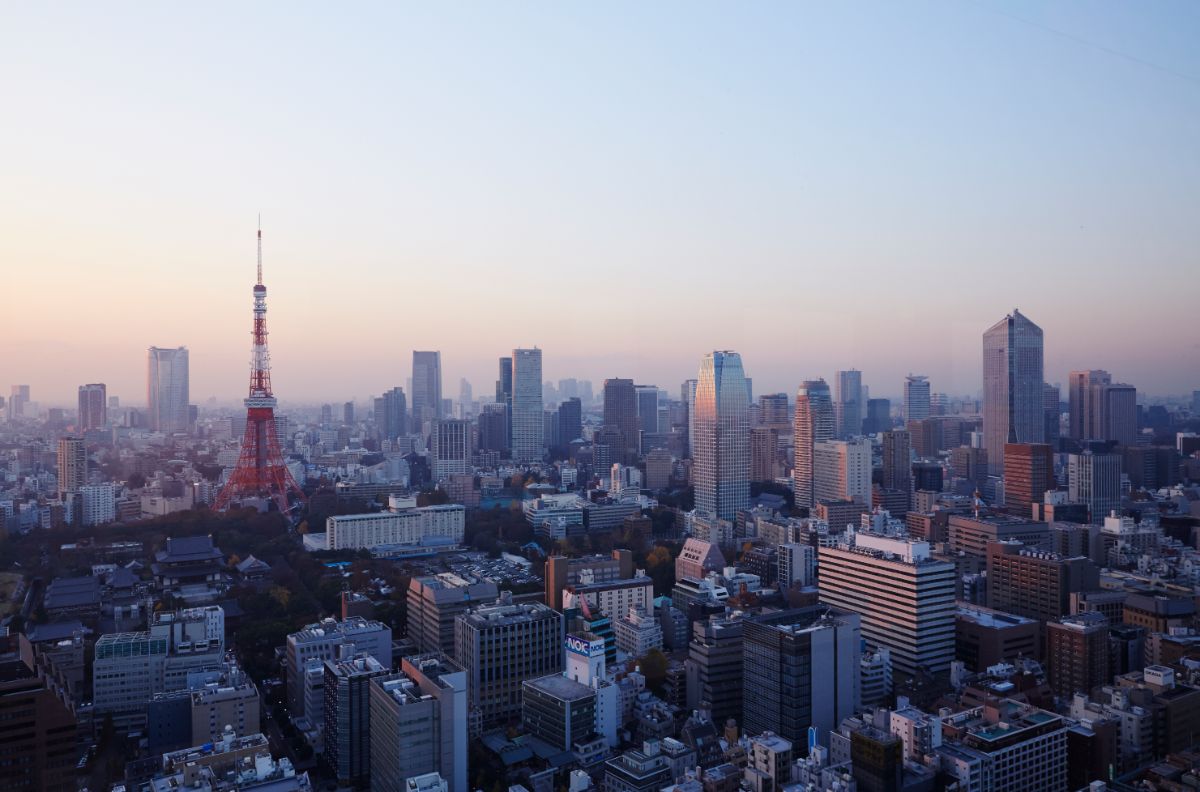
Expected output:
{"points": [[813, 164]]}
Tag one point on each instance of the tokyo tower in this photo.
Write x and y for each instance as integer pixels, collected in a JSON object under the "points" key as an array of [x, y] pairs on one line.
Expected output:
{"points": [[260, 469]]}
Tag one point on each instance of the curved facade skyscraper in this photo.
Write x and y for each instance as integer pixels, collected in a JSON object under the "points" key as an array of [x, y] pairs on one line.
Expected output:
{"points": [[721, 446], [813, 423], [1012, 387]]}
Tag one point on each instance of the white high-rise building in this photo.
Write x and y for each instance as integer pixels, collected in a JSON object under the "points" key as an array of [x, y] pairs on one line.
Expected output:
{"points": [[916, 398], [167, 390], [528, 419], [1012, 387], [814, 422], [842, 470], [906, 598], [721, 447], [99, 503], [848, 403]]}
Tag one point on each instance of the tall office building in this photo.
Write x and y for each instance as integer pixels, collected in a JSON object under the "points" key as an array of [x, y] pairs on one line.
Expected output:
{"points": [[1077, 654], [504, 391], [1012, 387], [897, 461], [687, 395], [773, 411], [528, 418], [1051, 404], [451, 446], [1083, 388], [714, 667], [842, 471], [621, 414], [1028, 474], [848, 403], [426, 386], [803, 667], [916, 398], [647, 407], [722, 445], [1118, 414], [348, 413], [466, 398], [878, 417], [347, 715], [1036, 584], [814, 423], [570, 420], [18, 398], [167, 392], [764, 453], [502, 645], [493, 428], [419, 723], [72, 465], [1095, 479], [905, 597], [391, 413], [93, 407]]}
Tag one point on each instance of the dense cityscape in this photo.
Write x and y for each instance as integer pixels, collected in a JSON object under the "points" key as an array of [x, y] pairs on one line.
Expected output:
{"points": [[623, 588], [600, 397]]}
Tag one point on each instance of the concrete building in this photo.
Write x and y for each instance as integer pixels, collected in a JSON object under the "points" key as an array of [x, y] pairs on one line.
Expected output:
{"points": [[842, 471], [764, 453], [405, 524], [984, 637], [1095, 479], [1036, 584], [1077, 653], [450, 444], [426, 387], [714, 668], [419, 724], [435, 601], [528, 423], [500, 646], [40, 741], [697, 559], [916, 398], [72, 465], [905, 597], [1005, 746], [638, 631], [1012, 387], [562, 572], [897, 462], [1028, 475], [972, 534], [347, 729], [803, 668], [319, 642], [93, 408]]}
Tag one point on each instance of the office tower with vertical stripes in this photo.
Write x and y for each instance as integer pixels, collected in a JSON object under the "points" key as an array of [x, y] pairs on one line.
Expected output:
{"points": [[528, 418], [167, 390], [814, 423], [848, 403], [1012, 387], [722, 444]]}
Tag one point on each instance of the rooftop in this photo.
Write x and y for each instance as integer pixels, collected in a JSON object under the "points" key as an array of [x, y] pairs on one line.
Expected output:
{"points": [[561, 688]]}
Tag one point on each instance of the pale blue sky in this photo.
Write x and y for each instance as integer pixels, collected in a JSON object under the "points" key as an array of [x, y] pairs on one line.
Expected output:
{"points": [[629, 186]]}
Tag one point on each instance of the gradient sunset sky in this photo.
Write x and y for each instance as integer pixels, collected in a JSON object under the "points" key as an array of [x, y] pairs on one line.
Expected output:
{"points": [[626, 185]]}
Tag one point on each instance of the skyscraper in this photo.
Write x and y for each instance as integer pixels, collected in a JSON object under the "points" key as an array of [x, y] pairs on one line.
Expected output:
{"points": [[391, 414], [848, 403], [878, 417], [72, 464], [1080, 395], [466, 398], [687, 394], [167, 390], [1028, 474], [1118, 413], [842, 471], [528, 420], [93, 407], [504, 390], [647, 407], [451, 446], [621, 413], [570, 420], [897, 461], [1051, 405], [814, 423], [722, 444], [1012, 387], [17, 400], [426, 386], [1095, 479], [916, 398]]}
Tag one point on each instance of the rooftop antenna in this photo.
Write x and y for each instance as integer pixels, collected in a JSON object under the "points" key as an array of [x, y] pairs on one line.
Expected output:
{"points": [[260, 248]]}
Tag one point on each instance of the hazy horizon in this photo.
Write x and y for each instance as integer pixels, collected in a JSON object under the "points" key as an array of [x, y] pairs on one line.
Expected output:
{"points": [[628, 187]]}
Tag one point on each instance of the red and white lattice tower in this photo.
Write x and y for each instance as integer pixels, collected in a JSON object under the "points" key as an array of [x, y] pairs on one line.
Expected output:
{"points": [[260, 470]]}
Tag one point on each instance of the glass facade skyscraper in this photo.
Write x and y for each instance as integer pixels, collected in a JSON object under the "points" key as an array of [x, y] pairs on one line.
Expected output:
{"points": [[813, 423], [528, 419], [426, 386], [167, 390], [1012, 387], [721, 447]]}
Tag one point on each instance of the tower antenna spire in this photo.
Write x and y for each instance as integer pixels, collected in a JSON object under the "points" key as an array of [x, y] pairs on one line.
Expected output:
{"points": [[260, 248]]}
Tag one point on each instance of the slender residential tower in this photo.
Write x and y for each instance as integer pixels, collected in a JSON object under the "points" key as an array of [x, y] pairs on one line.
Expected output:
{"points": [[260, 469]]}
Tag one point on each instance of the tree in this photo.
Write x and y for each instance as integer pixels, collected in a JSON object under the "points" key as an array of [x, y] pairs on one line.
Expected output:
{"points": [[654, 668]]}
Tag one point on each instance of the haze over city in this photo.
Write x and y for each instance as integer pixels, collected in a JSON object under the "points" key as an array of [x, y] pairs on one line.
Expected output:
{"points": [[815, 185]]}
